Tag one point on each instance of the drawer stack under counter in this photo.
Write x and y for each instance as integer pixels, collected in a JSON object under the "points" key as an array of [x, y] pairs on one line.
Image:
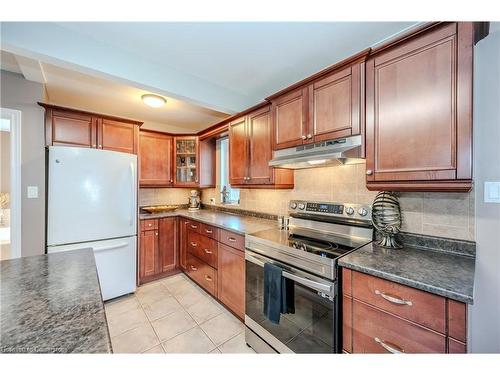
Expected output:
{"points": [[215, 259], [381, 316]]}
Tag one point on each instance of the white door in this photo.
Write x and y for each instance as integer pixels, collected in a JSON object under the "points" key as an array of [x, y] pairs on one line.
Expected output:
{"points": [[91, 195], [115, 261]]}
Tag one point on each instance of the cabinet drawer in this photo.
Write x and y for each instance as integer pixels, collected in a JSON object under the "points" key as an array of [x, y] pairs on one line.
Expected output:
{"points": [[209, 231], [149, 224], [203, 248], [378, 332], [418, 306], [202, 273], [193, 226], [231, 239]]}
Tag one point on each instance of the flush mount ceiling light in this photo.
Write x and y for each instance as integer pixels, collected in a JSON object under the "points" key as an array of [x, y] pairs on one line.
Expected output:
{"points": [[154, 101]]}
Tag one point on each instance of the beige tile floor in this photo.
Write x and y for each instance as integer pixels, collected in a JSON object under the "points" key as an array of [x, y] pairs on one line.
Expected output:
{"points": [[173, 315]]}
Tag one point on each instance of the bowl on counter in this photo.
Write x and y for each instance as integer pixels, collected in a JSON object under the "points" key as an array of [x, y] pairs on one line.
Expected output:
{"points": [[160, 209]]}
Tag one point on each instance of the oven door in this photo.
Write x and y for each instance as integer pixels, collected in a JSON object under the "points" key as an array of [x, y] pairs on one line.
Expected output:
{"points": [[311, 329]]}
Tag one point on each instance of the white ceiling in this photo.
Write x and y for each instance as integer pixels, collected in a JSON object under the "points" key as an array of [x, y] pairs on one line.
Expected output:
{"points": [[83, 91], [226, 67], [253, 59]]}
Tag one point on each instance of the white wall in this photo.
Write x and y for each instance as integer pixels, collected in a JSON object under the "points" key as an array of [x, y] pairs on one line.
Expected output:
{"points": [[18, 93], [484, 315]]}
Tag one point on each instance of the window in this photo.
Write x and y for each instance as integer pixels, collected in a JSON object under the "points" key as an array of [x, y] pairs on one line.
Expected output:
{"points": [[232, 195]]}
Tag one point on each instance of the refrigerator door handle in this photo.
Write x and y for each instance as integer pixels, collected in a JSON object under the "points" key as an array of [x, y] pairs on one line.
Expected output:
{"points": [[133, 190], [111, 247]]}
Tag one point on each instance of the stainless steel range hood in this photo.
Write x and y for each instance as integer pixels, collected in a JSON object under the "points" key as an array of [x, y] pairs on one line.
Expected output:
{"points": [[339, 151]]}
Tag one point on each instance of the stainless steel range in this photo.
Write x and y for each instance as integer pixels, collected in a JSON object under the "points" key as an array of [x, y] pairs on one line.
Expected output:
{"points": [[318, 234]]}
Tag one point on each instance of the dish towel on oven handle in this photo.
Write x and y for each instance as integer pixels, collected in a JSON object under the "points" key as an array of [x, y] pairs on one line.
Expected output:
{"points": [[279, 295]]}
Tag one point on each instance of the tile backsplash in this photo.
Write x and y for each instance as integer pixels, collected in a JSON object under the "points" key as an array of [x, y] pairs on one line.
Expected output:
{"points": [[438, 214]]}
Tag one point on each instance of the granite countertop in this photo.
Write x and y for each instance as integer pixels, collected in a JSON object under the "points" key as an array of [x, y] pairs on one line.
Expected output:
{"points": [[443, 273], [52, 304], [240, 224]]}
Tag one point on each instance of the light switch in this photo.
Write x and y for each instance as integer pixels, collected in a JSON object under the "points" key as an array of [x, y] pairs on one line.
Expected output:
{"points": [[492, 192], [32, 191]]}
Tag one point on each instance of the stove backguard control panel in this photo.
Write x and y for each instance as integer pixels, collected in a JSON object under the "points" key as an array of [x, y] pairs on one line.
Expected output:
{"points": [[325, 208], [347, 210]]}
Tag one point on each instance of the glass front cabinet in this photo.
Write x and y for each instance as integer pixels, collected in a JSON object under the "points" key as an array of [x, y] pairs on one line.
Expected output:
{"points": [[186, 163]]}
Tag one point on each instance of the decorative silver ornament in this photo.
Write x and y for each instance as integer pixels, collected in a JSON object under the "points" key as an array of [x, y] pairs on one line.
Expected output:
{"points": [[386, 218]]}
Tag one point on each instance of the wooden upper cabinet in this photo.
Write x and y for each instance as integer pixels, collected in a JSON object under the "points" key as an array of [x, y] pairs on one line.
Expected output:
{"points": [[155, 159], [326, 106], [117, 135], [335, 104], [238, 151], [71, 127], [418, 112], [260, 147], [250, 150], [290, 119], [186, 161]]}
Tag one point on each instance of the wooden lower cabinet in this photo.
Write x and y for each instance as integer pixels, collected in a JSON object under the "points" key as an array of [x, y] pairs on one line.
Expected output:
{"points": [[215, 259], [157, 248], [375, 331], [148, 254], [202, 273], [374, 319], [231, 284]]}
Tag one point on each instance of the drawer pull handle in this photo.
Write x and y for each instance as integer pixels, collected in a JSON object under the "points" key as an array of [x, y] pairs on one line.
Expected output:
{"points": [[231, 239], [391, 348], [207, 251], [194, 244], [193, 268], [208, 278], [208, 231], [393, 299], [194, 226]]}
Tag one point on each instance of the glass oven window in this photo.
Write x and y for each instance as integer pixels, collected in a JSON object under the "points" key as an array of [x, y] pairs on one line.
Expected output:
{"points": [[309, 330]]}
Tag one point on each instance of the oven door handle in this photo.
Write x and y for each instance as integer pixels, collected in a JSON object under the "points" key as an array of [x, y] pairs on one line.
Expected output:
{"points": [[320, 287]]}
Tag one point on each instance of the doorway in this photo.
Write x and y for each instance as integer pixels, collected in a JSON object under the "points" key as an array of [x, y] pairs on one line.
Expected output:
{"points": [[10, 183]]}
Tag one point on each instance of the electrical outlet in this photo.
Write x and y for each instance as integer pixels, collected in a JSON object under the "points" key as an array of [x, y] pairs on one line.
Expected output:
{"points": [[212, 200], [492, 192], [32, 191]]}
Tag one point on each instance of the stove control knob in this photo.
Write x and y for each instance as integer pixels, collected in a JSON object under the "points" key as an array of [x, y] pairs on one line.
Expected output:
{"points": [[302, 206], [293, 205], [362, 211], [349, 210]]}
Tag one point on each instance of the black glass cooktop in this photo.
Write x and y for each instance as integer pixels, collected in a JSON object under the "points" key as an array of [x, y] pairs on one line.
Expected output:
{"points": [[322, 248]]}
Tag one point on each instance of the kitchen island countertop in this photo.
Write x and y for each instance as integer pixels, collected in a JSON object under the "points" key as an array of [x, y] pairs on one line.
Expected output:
{"points": [[52, 304]]}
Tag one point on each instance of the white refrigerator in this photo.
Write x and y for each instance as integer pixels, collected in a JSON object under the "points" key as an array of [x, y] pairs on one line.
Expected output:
{"points": [[92, 203]]}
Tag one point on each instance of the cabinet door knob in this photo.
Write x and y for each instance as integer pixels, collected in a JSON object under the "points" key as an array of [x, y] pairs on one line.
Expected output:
{"points": [[309, 136], [100, 146], [369, 172], [171, 181], [194, 244], [304, 137], [156, 233]]}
